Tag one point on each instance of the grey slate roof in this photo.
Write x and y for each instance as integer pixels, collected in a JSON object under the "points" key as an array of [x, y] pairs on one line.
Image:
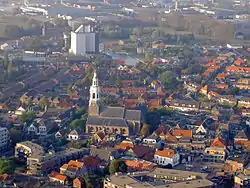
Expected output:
{"points": [[114, 116], [117, 112], [133, 115], [103, 121], [121, 112]]}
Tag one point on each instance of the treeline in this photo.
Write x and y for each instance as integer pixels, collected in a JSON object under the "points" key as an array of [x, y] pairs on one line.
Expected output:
{"points": [[31, 27]]}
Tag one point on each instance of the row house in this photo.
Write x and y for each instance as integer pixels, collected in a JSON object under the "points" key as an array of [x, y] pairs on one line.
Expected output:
{"points": [[244, 102], [44, 163], [227, 99], [191, 86], [236, 69], [214, 154], [37, 128], [128, 90], [134, 90], [188, 105], [243, 84], [184, 105], [139, 165]]}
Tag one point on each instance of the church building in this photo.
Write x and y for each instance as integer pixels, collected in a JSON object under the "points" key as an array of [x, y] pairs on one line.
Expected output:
{"points": [[117, 120]]}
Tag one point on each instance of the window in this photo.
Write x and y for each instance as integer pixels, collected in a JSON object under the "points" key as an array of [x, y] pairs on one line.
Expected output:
{"points": [[93, 96]]}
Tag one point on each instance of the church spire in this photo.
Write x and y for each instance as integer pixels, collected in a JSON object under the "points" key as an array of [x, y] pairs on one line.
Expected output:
{"points": [[94, 99]]}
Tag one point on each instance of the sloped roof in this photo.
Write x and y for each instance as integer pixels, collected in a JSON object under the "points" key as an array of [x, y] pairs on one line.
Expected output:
{"points": [[117, 112], [58, 176], [241, 134], [98, 120], [168, 153], [75, 163], [124, 145], [183, 133], [91, 161], [218, 142]]}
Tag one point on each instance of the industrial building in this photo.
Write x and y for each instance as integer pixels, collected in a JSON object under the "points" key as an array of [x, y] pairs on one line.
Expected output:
{"points": [[84, 40]]}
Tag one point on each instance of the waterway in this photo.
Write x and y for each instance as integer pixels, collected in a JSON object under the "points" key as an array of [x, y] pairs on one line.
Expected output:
{"points": [[131, 61]]}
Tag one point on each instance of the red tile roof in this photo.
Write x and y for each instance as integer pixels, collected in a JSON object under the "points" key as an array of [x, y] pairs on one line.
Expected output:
{"points": [[238, 62], [183, 133], [218, 142], [168, 153], [57, 176], [91, 161], [124, 145], [75, 163]]}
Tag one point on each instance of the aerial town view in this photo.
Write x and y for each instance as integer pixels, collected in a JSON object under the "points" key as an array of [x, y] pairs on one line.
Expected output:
{"points": [[125, 94]]}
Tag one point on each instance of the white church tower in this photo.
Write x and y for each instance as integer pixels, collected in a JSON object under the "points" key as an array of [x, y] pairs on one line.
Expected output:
{"points": [[94, 99]]}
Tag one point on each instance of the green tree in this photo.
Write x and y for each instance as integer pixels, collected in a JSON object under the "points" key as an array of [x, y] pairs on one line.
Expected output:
{"points": [[138, 31], [148, 56], [69, 90], [108, 101], [35, 44], [6, 166], [117, 166], [15, 136], [27, 117], [78, 114], [78, 124], [145, 130], [6, 58], [118, 81], [87, 181], [168, 79], [29, 102], [61, 22], [90, 142], [43, 103], [133, 38], [13, 31]]}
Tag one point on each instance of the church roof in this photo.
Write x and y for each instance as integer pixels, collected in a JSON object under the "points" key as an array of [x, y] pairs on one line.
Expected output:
{"points": [[121, 113], [133, 115], [98, 120], [117, 112]]}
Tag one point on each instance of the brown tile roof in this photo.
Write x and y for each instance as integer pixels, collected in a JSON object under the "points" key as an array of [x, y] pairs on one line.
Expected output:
{"points": [[91, 161], [161, 129], [154, 103], [57, 176], [144, 152], [4, 177], [183, 133], [169, 153], [221, 86], [100, 134], [218, 142], [140, 165], [171, 139], [124, 146], [75, 163], [238, 62]]}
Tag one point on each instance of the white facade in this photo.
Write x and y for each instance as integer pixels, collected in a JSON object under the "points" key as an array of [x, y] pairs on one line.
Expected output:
{"points": [[167, 159], [94, 90], [4, 138], [73, 136], [39, 130], [78, 46], [83, 40]]}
